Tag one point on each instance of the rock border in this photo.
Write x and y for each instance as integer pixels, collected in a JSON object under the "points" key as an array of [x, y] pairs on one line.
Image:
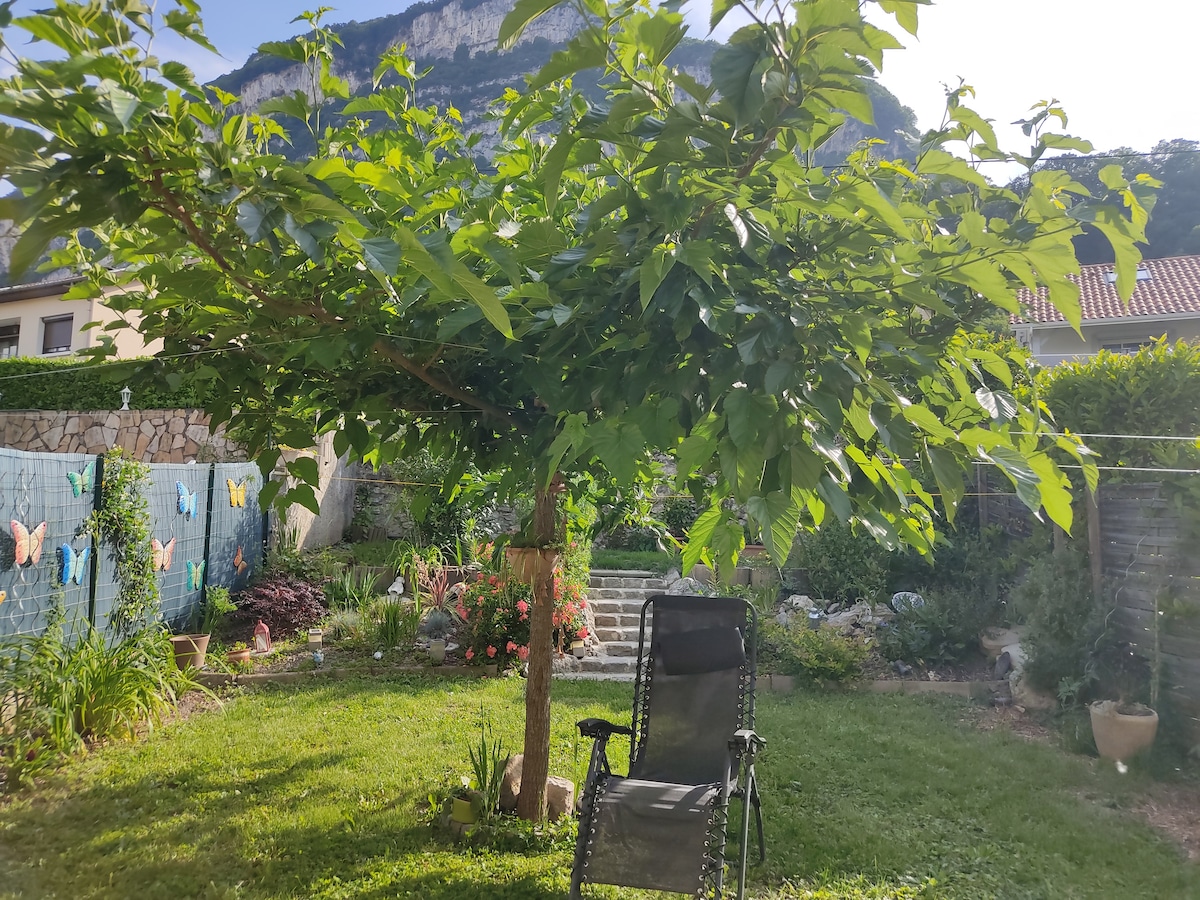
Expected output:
{"points": [[971, 690]]}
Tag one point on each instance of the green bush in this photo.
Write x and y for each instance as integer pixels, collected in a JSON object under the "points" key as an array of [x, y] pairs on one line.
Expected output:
{"points": [[1154, 391], [61, 384], [819, 654], [840, 564], [944, 629], [1064, 621]]}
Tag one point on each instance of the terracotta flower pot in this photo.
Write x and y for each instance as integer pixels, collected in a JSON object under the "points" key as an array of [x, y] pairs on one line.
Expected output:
{"points": [[190, 650], [238, 656], [1122, 735]]}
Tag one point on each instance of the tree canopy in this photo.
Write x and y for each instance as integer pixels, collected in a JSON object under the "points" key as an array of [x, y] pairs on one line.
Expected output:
{"points": [[663, 269]]}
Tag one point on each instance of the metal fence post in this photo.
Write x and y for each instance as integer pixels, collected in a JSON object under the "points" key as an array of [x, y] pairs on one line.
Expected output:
{"points": [[97, 502]]}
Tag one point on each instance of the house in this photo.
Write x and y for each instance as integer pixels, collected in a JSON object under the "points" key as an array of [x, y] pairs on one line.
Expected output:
{"points": [[35, 321], [1165, 301]]}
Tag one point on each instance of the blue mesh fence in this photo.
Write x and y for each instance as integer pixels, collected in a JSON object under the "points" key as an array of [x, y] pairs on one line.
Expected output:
{"points": [[206, 525]]}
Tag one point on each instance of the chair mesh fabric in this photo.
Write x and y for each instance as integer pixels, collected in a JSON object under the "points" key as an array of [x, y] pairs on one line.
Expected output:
{"points": [[689, 719], [649, 834]]}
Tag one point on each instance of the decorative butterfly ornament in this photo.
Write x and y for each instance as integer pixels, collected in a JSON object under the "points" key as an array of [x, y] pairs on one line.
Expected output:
{"points": [[195, 575], [163, 553], [187, 499], [81, 482], [29, 543], [237, 492], [74, 565], [3, 596], [239, 560]]}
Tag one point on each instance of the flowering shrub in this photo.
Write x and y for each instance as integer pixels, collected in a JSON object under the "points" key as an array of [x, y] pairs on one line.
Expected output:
{"points": [[495, 611], [570, 590]]}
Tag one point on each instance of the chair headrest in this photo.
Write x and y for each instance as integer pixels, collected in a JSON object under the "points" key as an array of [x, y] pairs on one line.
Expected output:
{"points": [[700, 650]]}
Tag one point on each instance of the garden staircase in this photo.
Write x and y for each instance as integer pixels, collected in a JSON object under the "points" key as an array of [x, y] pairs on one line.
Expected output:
{"points": [[616, 600]]}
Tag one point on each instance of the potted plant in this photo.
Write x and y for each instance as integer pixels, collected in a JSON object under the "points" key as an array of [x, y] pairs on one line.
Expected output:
{"points": [[466, 805], [1124, 727], [189, 650], [239, 653]]}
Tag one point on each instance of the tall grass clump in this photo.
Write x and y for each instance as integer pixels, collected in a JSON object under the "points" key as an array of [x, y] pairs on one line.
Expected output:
{"points": [[57, 698]]}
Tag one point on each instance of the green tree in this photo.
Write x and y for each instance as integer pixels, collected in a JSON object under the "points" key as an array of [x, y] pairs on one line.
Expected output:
{"points": [[660, 270], [1175, 228]]}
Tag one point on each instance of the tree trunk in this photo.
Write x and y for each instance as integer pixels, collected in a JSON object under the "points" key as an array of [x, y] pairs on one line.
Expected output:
{"points": [[531, 804]]}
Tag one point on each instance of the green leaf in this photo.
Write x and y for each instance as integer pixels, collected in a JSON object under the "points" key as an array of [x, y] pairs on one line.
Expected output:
{"points": [[949, 477], [382, 254], [305, 468], [778, 515], [736, 74], [523, 13], [700, 536], [905, 12], [653, 270], [619, 447]]}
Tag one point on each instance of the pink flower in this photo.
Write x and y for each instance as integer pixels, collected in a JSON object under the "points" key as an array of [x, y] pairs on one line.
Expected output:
{"points": [[522, 606], [491, 652], [512, 645], [522, 653], [492, 580], [470, 654], [583, 633]]}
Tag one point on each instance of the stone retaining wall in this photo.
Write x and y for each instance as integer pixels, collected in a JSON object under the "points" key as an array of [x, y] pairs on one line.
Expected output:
{"points": [[150, 435]]}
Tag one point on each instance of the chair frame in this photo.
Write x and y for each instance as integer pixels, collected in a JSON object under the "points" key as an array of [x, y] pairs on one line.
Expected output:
{"points": [[739, 780]]}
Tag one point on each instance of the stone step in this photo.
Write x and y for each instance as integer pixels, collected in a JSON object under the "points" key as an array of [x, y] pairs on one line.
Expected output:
{"points": [[612, 581], [624, 607], [596, 676], [617, 633], [608, 664], [618, 620], [620, 648], [618, 594]]}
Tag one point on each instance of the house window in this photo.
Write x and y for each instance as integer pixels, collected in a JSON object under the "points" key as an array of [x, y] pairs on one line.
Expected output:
{"points": [[56, 334], [10, 336], [1143, 274], [1128, 348]]}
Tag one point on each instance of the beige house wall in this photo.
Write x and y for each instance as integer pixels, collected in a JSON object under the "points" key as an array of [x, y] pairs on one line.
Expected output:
{"points": [[30, 314], [1054, 344]]}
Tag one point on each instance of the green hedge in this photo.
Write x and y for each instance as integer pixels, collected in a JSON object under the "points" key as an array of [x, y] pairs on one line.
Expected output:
{"points": [[1155, 391], [60, 384]]}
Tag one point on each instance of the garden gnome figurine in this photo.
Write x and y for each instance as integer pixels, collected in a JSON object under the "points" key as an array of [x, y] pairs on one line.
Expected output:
{"points": [[262, 637]]}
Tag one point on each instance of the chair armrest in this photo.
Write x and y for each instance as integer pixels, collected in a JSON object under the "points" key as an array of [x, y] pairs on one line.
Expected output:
{"points": [[747, 741], [601, 728]]}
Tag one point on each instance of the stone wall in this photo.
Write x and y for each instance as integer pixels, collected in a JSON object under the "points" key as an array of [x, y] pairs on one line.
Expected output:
{"points": [[182, 436], [151, 435]]}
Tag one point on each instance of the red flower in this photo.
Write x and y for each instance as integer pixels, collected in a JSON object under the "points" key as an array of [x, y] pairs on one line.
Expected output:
{"points": [[522, 653], [470, 654], [491, 652], [583, 633]]}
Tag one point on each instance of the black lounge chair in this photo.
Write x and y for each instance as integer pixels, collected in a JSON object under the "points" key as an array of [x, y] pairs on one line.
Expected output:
{"points": [[692, 749]]}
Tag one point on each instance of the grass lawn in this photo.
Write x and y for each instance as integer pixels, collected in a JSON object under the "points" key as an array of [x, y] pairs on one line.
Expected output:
{"points": [[316, 792]]}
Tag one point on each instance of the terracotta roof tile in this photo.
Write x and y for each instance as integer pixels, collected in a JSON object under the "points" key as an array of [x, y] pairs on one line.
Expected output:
{"points": [[1173, 287]]}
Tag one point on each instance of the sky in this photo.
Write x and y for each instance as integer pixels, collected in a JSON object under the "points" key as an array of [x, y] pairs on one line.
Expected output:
{"points": [[1123, 71]]}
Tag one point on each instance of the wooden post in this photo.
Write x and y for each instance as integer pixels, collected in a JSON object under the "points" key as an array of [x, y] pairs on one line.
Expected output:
{"points": [[1095, 546], [535, 769], [981, 488]]}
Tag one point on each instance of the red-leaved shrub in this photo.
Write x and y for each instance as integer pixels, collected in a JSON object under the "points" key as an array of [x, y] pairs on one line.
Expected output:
{"points": [[286, 603]]}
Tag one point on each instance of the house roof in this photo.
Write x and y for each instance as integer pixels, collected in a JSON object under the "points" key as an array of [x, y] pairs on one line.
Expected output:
{"points": [[1172, 289], [50, 287]]}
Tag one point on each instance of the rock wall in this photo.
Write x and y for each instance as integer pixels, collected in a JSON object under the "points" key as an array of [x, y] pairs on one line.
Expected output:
{"points": [[151, 435], [182, 436]]}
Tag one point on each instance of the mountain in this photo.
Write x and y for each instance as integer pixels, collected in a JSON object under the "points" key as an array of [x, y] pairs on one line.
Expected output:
{"points": [[456, 39]]}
